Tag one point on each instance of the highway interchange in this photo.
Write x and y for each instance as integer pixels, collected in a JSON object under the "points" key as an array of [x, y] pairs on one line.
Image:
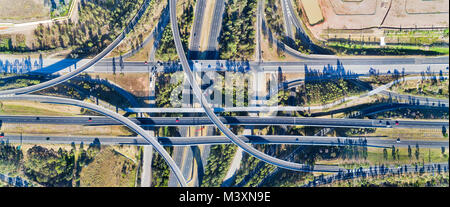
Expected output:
{"points": [[417, 65]]}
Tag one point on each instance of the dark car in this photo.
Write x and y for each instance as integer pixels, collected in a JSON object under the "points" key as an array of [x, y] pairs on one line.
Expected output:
{"points": [[177, 119], [37, 118], [396, 123], [388, 124], [398, 140], [90, 119]]}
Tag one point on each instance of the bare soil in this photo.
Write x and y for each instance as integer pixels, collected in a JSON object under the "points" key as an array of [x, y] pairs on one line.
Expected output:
{"points": [[370, 13]]}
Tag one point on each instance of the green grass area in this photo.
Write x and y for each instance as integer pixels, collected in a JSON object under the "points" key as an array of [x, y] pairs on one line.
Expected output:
{"points": [[19, 11], [109, 169], [18, 83], [413, 113], [358, 49], [376, 156], [404, 180], [12, 109], [5, 43], [418, 37], [61, 11], [435, 88], [323, 92], [56, 165]]}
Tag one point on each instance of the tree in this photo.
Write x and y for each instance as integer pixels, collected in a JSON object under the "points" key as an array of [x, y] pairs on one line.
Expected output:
{"points": [[409, 152], [444, 131], [385, 154], [417, 153], [393, 152]]}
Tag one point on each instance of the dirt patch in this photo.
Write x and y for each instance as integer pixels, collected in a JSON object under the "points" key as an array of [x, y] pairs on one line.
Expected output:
{"points": [[345, 15], [313, 12], [135, 83], [143, 54], [270, 53], [109, 168], [353, 8], [426, 7], [17, 11], [293, 76]]}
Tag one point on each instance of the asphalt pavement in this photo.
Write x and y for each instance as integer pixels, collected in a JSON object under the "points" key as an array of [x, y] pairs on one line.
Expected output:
{"points": [[213, 140], [228, 120]]}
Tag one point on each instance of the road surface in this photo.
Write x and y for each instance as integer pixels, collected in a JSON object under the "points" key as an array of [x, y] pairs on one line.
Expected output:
{"points": [[228, 120]]}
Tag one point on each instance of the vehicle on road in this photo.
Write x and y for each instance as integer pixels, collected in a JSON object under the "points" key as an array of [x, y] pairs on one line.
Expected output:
{"points": [[396, 123], [398, 140], [37, 118], [177, 119], [90, 119], [388, 124]]}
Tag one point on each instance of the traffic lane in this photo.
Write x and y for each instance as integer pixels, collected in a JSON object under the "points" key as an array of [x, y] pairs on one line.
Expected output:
{"points": [[56, 139], [216, 25], [212, 140], [239, 120]]}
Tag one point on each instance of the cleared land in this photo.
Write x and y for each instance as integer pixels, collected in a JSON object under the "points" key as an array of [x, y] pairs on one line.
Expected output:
{"points": [[109, 168], [135, 83], [313, 11], [17, 11], [36, 108], [342, 16]]}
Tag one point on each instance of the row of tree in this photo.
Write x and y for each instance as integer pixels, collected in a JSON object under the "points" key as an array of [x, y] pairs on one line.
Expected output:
{"points": [[237, 39]]}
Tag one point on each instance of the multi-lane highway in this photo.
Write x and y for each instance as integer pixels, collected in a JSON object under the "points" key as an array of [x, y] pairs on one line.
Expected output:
{"points": [[412, 64], [196, 33], [212, 140], [355, 65], [216, 25], [235, 120], [290, 36]]}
